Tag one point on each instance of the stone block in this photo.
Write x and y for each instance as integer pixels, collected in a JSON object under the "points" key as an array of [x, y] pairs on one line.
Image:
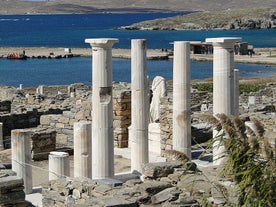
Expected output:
{"points": [[64, 120], [154, 138], [60, 125], [160, 169], [153, 187], [109, 181], [10, 182], [45, 120], [12, 198], [169, 194], [118, 202], [62, 139], [122, 113], [80, 116]]}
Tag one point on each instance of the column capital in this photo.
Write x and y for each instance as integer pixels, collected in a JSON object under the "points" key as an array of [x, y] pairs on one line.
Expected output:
{"points": [[102, 42], [221, 41]]}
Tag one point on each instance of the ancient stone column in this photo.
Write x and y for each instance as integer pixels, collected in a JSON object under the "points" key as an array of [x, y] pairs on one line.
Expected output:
{"points": [[1, 136], [40, 90], [182, 98], [223, 89], [82, 149], [236, 91], [139, 106], [223, 68], [102, 108], [21, 157], [59, 165]]}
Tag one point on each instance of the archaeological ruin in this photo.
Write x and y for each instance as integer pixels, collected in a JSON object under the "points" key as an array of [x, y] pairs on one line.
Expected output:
{"points": [[85, 125]]}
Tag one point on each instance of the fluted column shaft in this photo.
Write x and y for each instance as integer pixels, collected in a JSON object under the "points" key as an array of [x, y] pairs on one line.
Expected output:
{"points": [[182, 98], [82, 149], [223, 69], [59, 165], [223, 87], [102, 108], [139, 105]]}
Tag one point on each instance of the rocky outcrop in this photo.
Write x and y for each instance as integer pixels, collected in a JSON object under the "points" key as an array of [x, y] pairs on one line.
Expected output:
{"points": [[219, 20], [178, 186]]}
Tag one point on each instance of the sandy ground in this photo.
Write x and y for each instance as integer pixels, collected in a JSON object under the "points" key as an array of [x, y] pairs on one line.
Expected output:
{"points": [[262, 55]]}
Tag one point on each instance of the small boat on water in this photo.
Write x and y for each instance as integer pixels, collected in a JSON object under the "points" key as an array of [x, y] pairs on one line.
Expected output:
{"points": [[16, 56]]}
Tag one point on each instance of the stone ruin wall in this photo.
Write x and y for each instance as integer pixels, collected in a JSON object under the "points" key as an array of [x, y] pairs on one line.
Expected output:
{"points": [[166, 114], [81, 111], [60, 117], [263, 110]]}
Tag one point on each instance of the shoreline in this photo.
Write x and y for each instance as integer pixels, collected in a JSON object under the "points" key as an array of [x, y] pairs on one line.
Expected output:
{"points": [[266, 56]]}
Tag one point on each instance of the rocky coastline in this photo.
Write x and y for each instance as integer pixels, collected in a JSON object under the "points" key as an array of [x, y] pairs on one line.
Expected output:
{"points": [[264, 56], [239, 19]]}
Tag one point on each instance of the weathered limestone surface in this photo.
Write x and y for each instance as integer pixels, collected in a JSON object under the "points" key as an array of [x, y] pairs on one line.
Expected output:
{"points": [[82, 149], [21, 157], [121, 114], [43, 141], [12, 191], [166, 110], [59, 165], [223, 86], [172, 185], [102, 108], [139, 105], [182, 98]]}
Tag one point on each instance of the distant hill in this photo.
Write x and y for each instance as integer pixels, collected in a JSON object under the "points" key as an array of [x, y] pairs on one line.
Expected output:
{"points": [[262, 18], [94, 6]]}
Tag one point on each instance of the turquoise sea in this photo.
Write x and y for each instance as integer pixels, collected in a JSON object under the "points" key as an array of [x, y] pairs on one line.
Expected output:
{"points": [[71, 30]]}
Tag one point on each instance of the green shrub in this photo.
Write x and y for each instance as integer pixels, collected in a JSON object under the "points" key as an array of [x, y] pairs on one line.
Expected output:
{"points": [[244, 88], [203, 87], [247, 88]]}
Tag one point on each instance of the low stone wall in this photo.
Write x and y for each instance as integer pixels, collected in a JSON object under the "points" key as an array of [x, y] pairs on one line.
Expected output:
{"points": [[17, 121]]}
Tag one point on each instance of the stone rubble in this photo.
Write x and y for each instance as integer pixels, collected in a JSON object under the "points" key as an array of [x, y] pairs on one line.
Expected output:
{"points": [[52, 115]]}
